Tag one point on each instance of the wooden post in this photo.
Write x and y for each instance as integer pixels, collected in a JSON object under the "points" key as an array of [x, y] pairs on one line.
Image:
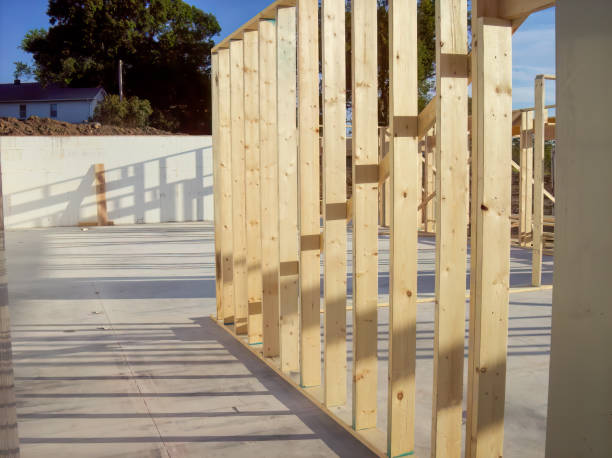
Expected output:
{"points": [[334, 199], [268, 150], [451, 226], [405, 192], [420, 186], [492, 86], [224, 147], [580, 394], [9, 435], [310, 225], [286, 34], [430, 184], [538, 181], [253, 205], [365, 230], [101, 194], [216, 187], [241, 297], [526, 178]]}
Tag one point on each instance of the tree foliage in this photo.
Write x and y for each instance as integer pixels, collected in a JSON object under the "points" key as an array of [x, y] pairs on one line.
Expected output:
{"points": [[165, 46], [129, 112]]}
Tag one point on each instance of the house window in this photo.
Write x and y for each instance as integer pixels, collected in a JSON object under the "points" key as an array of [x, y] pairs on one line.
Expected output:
{"points": [[22, 112], [53, 110]]}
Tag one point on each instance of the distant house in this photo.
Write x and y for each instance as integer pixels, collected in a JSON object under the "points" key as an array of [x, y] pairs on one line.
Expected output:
{"points": [[75, 105]]}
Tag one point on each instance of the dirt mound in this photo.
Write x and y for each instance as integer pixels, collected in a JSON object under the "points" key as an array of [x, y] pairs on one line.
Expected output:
{"points": [[45, 126]]}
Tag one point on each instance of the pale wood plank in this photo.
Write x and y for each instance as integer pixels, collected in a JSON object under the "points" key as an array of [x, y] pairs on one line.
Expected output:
{"points": [[238, 186], [310, 226], [405, 194], [225, 187], [216, 181], [365, 229], [451, 226], [253, 204], [268, 150], [286, 34], [430, 184], [489, 310], [334, 199], [538, 181]]}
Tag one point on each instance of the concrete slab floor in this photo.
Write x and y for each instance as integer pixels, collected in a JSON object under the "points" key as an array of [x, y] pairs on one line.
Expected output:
{"points": [[115, 355]]}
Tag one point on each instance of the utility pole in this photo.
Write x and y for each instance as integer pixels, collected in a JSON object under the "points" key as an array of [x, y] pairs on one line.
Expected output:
{"points": [[9, 436], [120, 80]]}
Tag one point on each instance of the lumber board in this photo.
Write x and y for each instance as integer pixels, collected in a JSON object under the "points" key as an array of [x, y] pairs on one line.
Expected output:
{"points": [[225, 187], [268, 151], [334, 199], [538, 181], [310, 252], [430, 185], [238, 186], [526, 176], [214, 62], [451, 227], [516, 9], [253, 201], [253, 24], [405, 194], [286, 35], [491, 271], [365, 229]]}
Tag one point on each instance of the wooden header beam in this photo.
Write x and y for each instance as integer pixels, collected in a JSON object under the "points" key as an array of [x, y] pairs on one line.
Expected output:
{"points": [[268, 13]]}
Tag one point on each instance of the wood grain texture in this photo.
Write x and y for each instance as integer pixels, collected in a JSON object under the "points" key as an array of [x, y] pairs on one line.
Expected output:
{"points": [[253, 189], [241, 297], [451, 226], [268, 144], [365, 227], [334, 199], [216, 181], [286, 34], [225, 185], [100, 179], [405, 194], [310, 226], [489, 310]]}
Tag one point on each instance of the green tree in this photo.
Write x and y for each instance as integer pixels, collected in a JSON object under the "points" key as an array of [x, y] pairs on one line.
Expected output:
{"points": [[22, 70], [165, 46], [131, 112]]}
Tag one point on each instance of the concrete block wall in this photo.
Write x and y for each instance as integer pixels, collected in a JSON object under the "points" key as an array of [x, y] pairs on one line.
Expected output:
{"points": [[49, 181]]}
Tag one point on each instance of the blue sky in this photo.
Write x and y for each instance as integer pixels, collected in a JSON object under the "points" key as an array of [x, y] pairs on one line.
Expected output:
{"points": [[533, 44]]}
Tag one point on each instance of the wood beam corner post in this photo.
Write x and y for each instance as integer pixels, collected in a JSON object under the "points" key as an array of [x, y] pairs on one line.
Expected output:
{"points": [[405, 194], [365, 227], [451, 226], [334, 199], [268, 150]]}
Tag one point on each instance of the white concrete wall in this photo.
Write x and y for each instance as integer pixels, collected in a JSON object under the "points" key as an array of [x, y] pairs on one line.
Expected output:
{"points": [[74, 112], [49, 181]]}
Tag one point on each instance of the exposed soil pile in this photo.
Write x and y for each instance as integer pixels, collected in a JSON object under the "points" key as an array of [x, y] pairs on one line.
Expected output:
{"points": [[44, 126]]}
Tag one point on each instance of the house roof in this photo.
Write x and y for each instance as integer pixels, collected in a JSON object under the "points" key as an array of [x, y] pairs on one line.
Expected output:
{"points": [[35, 92]]}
